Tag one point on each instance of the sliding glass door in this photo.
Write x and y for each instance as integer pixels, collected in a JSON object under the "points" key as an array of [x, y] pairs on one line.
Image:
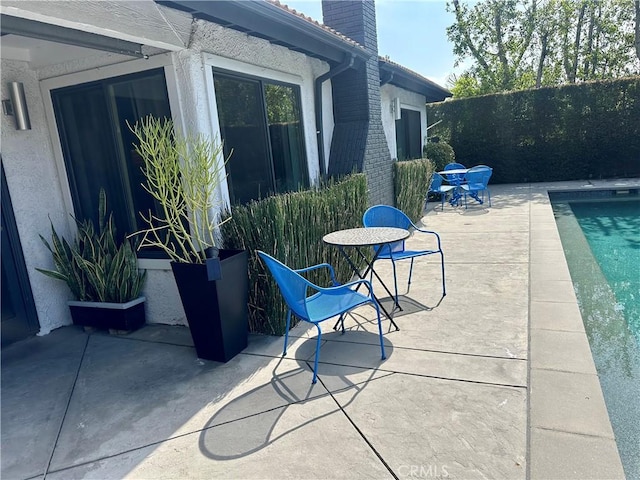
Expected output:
{"points": [[93, 123]]}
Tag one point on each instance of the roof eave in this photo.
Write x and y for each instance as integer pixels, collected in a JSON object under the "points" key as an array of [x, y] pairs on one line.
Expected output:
{"points": [[262, 19], [415, 83]]}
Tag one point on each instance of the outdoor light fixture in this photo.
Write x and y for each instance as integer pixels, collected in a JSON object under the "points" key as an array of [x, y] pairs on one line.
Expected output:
{"points": [[396, 109], [16, 105]]}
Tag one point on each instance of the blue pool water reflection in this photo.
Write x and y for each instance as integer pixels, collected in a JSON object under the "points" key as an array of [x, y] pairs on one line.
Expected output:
{"points": [[612, 230], [601, 241]]}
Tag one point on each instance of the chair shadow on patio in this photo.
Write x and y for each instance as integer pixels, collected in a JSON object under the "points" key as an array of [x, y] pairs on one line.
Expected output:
{"points": [[474, 210], [409, 305], [256, 419]]}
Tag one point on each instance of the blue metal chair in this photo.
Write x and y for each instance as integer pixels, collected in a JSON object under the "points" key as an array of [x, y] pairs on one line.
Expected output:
{"points": [[437, 187], [314, 304], [477, 181], [454, 178], [386, 216]]}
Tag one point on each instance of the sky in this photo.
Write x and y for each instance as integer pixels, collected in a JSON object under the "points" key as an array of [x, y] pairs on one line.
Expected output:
{"points": [[411, 32]]}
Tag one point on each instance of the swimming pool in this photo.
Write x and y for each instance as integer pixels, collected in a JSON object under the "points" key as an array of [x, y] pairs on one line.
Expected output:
{"points": [[601, 240]]}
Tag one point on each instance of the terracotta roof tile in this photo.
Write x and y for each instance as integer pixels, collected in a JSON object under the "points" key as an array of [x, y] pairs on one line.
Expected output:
{"points": [[313, 22]]}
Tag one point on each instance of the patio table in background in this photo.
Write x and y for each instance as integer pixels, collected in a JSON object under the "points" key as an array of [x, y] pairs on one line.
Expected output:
{"points": [[357, 238], [456, 178]]}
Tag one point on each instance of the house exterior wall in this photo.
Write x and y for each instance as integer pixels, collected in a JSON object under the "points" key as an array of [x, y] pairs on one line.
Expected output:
{"points": [[35, 169], [35, 186], [328, 124], [409, 100], [36, 175], [219, 47]]}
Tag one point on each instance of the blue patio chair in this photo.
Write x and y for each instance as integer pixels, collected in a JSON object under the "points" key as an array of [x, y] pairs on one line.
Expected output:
{"points": [[437, 187], [386, 216], [314, 304], [477, 181], [454, 178]]}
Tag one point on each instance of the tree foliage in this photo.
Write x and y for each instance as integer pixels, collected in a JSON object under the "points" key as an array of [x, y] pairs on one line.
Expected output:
{"points": [[519, 44]]}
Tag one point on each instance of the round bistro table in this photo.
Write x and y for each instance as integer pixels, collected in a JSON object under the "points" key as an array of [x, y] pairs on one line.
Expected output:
{"points": [[359, 238]]}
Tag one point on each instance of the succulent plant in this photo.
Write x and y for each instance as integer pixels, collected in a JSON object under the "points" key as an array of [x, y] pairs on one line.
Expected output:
{"points": [[96, 266]]}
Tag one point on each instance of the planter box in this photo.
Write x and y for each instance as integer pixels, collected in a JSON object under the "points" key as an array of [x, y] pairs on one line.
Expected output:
{"points": [[116, 316], [217, 310]]}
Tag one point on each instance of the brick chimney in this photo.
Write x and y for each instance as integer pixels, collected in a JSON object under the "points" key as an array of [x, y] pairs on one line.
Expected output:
{"points": [[359, 143]]}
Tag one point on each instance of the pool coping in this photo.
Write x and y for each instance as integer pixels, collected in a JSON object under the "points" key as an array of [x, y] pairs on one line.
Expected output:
{"points": [[569, 431]]}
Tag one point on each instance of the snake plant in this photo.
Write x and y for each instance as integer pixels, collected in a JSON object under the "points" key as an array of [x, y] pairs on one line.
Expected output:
{"points": [[95, 266]]}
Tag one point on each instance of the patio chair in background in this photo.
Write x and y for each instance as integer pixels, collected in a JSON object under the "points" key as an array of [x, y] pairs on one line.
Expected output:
{"points": [[454, 178], [386, 216], [314, 304], [477, 181], [436, 186]]}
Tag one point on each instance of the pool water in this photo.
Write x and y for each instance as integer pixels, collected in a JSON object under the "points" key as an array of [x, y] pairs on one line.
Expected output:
{"points": [[601, 241]]}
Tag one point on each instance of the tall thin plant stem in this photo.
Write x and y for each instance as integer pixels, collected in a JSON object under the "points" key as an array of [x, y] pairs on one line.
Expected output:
{"points": [[182, 174]]}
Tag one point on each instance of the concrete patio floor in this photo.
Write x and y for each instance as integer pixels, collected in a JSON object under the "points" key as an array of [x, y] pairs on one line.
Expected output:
{"points": [[495, 380]]}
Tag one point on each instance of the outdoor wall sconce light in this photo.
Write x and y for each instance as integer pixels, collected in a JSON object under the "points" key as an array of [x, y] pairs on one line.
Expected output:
{"points": [[16, 105], [395, 109]]}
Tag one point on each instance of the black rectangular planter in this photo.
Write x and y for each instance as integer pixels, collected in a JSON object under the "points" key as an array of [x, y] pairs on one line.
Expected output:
{"points": [[116, 316], [217, 311]]}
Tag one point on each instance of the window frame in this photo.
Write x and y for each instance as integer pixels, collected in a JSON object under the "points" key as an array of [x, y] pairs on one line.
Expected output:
{"points": [[121, 167], [410, 108], [241, 69], [95, 75], [261, 81]]}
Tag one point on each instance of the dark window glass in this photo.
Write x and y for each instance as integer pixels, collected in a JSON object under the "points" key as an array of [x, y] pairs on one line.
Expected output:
{"points": [[131, 101], [261, 124], [408, 135], [287, 144], [242, 127], [89, 154], [98, 146]]}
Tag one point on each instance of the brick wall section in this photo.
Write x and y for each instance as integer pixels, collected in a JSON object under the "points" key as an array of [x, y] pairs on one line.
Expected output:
{"points": [[359, 143]]}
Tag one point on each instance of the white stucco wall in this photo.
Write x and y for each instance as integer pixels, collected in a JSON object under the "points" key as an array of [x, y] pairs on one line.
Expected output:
{"points": [[408, 100], [34, 184], [33, 159]]}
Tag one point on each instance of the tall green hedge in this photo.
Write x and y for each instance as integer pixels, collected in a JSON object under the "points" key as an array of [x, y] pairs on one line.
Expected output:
{"points": [[411, 181], [580, 131], [290, 227]]}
